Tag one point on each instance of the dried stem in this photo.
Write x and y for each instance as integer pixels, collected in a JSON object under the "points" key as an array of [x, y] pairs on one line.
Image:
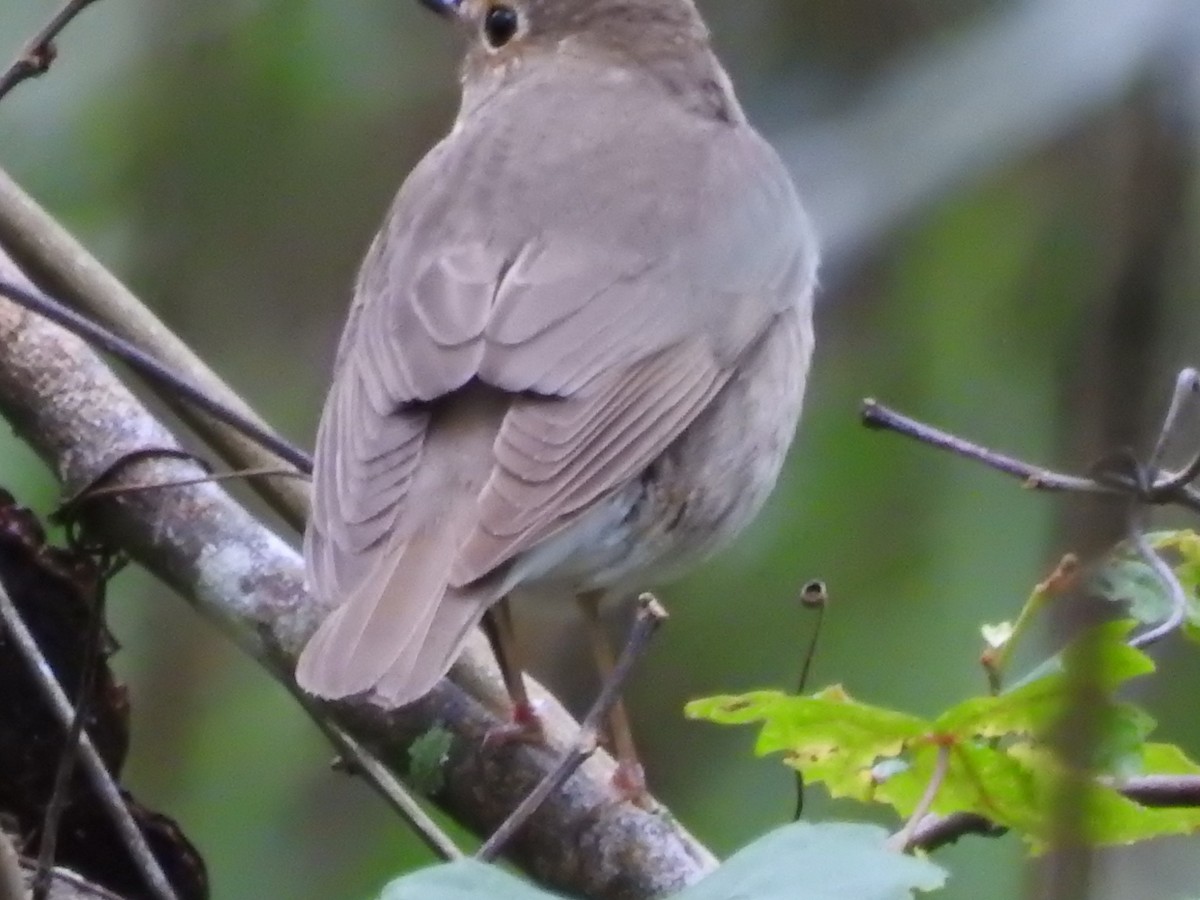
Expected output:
{"points": [[60, 795], [102, 781], [360, 761], [875, 415]]}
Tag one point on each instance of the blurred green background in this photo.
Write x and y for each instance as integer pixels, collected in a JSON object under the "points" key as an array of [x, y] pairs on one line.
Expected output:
{"points": [[1008, 197]]}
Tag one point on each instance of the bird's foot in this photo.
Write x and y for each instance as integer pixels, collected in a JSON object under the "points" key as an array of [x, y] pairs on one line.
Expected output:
{"points": [[525, 728], [629, 781]]}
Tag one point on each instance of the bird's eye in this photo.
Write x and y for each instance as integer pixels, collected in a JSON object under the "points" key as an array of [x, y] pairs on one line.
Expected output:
{"points": [[500, 25]]}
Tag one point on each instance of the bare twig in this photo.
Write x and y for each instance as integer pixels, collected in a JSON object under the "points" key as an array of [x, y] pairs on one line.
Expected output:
{"points": [[650, 616], [1187, 384], [361, 761], [102, 782], [1162, 791], [902, 839], [814, 595], [153, 370], [935, 832], [39, 52], [1164, 573], [875, 415], [1154, 791], [60, 794], [46, 253], [72, 504]]}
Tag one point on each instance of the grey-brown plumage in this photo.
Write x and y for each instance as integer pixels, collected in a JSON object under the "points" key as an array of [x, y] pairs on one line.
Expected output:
{"points": [[577, 348]]}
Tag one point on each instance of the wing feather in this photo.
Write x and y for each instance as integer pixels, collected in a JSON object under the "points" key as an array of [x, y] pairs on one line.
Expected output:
{"points": [[607, 342]]}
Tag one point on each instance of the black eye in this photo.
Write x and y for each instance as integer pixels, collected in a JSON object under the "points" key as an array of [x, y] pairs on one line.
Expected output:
{"points": [[500, 24]]}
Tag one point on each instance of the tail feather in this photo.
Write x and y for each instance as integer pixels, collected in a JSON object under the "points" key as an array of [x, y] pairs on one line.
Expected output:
{"points": [[400, 624], [381, 634]]}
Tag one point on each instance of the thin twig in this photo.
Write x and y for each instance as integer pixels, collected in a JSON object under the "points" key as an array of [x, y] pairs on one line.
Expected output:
{"points": [[12, 883], [1165, 574], [1186, 386], [68, 507], [902, 839], [146, 365], [102, 781], [388, 786], [935, 832], [815, 595], [1153, 791], [39, 52], [60, 795], [36, 250], [650, 615], [875, 415]]}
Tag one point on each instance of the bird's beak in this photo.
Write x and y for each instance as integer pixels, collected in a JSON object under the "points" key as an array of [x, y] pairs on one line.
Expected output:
{"points": [[447, 8]]}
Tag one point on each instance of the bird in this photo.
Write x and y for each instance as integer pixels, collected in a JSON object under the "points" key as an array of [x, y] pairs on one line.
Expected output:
{"points": [[577, 348]]}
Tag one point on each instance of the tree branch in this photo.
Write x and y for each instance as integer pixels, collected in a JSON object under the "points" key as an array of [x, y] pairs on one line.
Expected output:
{"points": [[62, 399], [39, 52], [1160, 791], [50, 257]]}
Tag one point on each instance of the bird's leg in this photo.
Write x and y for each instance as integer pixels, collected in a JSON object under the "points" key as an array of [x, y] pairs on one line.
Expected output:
{"points": [[525, 725], [630, 778]]}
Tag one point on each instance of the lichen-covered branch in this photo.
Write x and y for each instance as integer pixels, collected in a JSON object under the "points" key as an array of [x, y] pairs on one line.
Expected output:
{"points": [[69, 406]]}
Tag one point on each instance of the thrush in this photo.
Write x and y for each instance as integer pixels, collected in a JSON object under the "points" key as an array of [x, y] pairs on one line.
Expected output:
{"points": [[577, 348]]}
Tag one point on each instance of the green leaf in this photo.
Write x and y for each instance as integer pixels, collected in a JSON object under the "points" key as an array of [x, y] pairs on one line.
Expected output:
{"points": [[1035, 705], [997, 761], [427, 757], [837, 861], [1167, 759], [830, 737], [1134, 583], [1129, 579], [465, 879], [1107, 817]]}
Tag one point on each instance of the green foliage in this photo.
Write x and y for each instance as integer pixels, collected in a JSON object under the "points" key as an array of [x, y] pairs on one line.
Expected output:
{"points": [[839, 861], [1128, 579], [997, 750], [427, 757]]}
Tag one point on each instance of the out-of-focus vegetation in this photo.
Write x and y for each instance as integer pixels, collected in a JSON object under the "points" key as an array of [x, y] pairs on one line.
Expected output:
{"points": [[1008, 196]]}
